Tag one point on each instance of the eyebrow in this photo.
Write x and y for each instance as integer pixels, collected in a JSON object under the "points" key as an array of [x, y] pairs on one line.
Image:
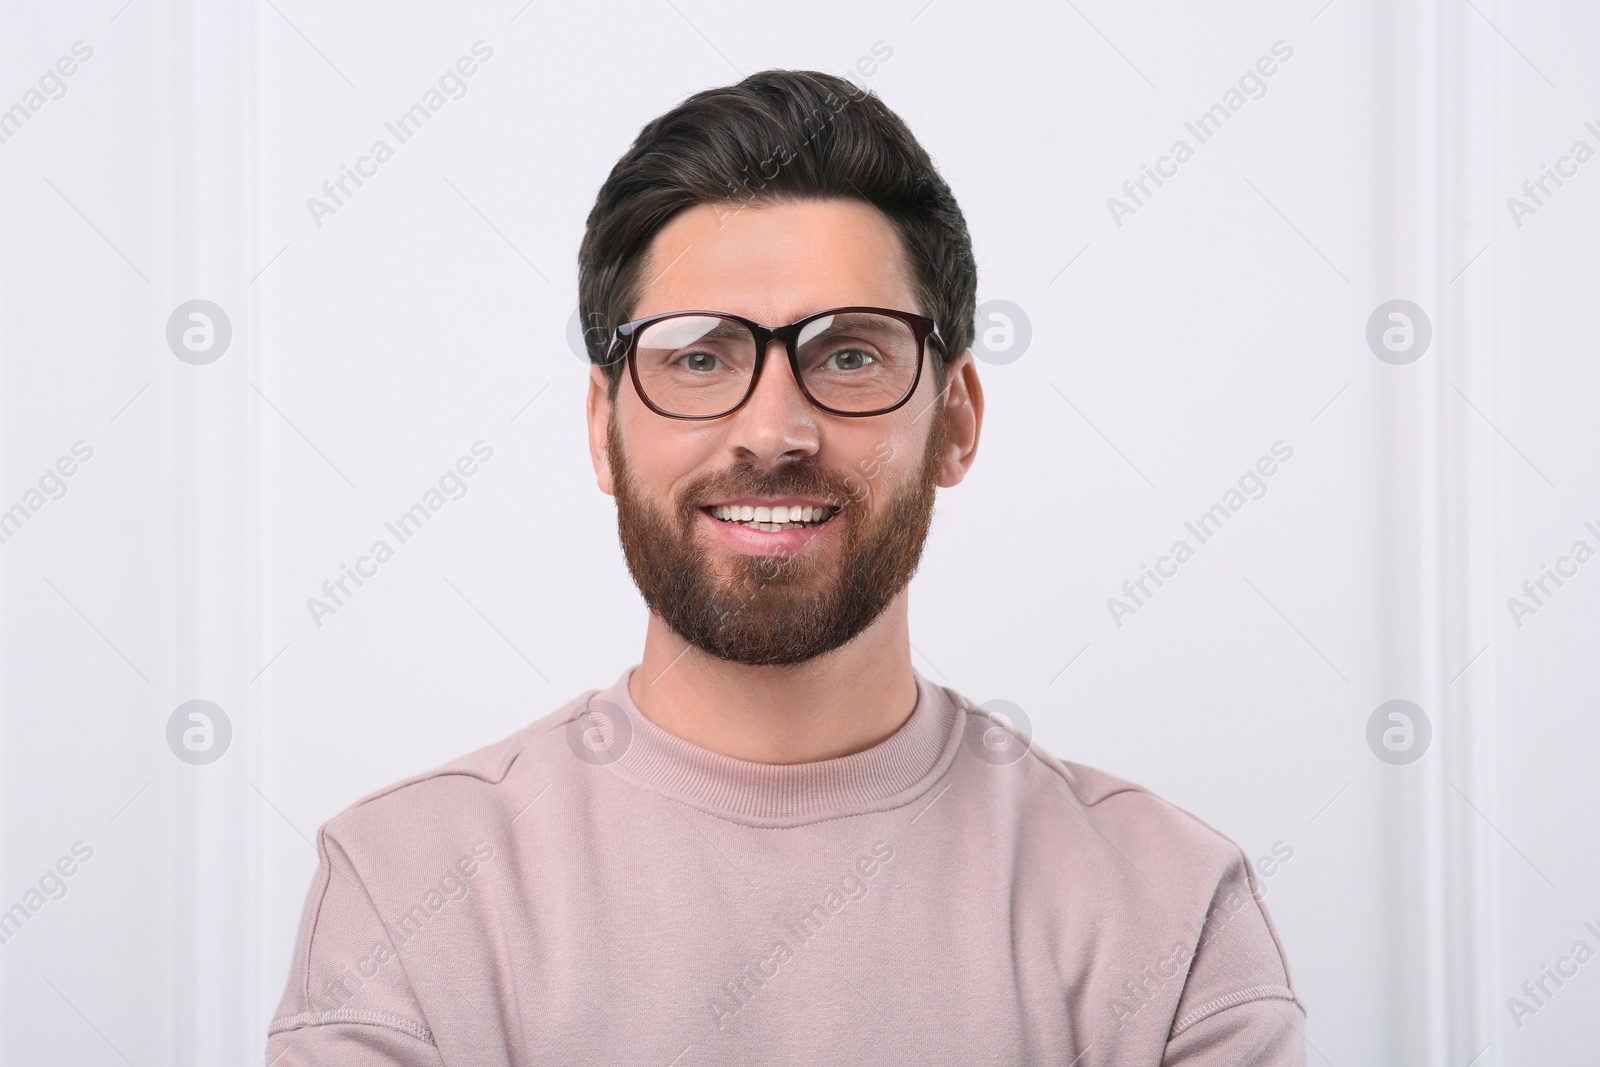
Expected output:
{"points": [[723, 330], [846, 323], [726, 329]]}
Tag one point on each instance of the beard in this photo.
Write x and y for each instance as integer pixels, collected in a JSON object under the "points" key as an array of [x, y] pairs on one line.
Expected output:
{"points": [[776, 610]]}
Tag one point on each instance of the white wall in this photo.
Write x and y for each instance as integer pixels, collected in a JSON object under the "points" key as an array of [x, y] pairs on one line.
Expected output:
{"points": [[1227, 313]]}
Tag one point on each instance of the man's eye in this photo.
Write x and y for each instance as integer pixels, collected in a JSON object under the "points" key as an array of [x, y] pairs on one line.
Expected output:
{"points": [[698, 361], [848, 359]]}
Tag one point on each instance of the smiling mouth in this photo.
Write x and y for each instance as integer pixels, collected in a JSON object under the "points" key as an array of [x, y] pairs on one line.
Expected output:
{"points": [[772, 519]]}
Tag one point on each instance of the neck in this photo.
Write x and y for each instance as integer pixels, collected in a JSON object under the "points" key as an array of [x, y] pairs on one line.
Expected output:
{"points": [[837, 704]]}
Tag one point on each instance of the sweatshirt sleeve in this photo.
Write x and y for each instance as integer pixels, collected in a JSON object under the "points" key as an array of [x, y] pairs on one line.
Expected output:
{"points": [[1238, 1006], [348, 1001], [1264, 1033], [349, 1045]]}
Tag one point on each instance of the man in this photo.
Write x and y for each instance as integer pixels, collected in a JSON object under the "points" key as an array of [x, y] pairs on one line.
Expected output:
{"points": [[773, 840]]}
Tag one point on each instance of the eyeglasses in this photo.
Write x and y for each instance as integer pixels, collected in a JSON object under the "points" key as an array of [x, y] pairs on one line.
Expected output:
{"points": [[853, 361]]}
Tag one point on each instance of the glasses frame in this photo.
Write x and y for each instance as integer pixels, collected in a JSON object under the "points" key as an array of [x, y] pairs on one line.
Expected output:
{"points": [[627, 335]]}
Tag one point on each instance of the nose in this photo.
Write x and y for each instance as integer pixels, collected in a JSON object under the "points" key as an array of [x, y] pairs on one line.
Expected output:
{"points": [[777, 420]]}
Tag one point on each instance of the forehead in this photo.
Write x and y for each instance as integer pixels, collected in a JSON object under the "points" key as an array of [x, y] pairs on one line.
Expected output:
{"points": [[775, 263]]}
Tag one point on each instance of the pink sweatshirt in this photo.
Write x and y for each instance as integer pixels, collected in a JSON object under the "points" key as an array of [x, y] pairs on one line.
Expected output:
{"points": [[595, 890]]}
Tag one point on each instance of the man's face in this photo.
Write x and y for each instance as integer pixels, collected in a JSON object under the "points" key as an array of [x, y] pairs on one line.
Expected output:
{"points": [[736, 591]]}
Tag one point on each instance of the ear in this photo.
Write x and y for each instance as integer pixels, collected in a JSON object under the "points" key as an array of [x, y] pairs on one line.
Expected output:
{"points": [[963, 411], [599, 412]]}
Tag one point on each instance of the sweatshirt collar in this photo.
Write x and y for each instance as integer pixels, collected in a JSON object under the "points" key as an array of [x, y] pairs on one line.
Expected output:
{"points": [[888, 775]]}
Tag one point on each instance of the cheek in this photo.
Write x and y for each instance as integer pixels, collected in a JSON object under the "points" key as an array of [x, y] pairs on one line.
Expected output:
{"points": [[874, 463], [661, 460]]}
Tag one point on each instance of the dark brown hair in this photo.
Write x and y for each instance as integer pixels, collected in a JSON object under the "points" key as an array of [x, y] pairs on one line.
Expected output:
{"points": [[777, 136]]}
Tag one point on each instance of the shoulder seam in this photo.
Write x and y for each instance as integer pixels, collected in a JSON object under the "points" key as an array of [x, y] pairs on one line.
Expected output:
{"points": [[516, 745], [390, 1021], [1061, 771], [1058, 767], [325, 873], [1176, 809], [448, 771], [1248, 995]]}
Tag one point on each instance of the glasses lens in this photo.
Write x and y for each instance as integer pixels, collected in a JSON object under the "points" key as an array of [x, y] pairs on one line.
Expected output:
{"points": [[858, 361], [695, 364], [700, 365]]}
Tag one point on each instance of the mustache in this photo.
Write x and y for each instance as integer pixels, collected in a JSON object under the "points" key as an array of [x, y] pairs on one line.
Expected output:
{"points": [[744, 478]]}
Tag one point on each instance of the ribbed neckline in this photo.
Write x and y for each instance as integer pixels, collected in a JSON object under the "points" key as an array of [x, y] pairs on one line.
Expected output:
{"points": [[889, 774]]}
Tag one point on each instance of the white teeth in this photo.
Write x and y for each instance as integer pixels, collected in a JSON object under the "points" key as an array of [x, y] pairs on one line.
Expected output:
{"points": [[771, 518]]}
